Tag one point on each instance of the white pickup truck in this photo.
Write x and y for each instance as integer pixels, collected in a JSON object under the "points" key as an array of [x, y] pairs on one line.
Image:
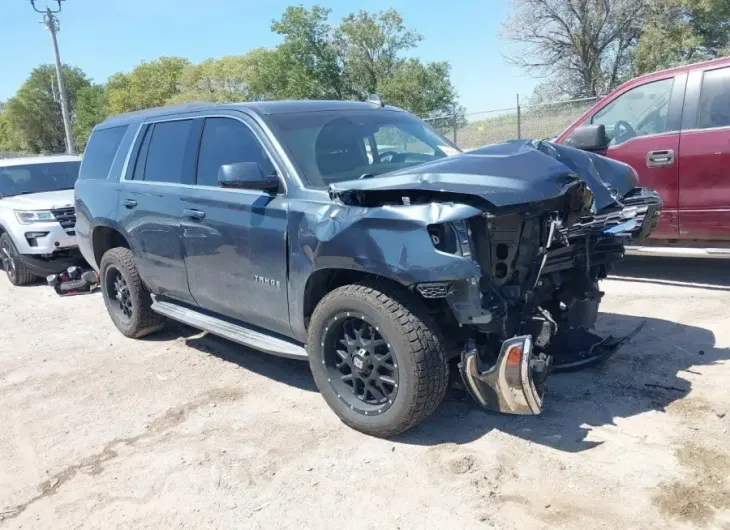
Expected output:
{"points": [[37, 216]]}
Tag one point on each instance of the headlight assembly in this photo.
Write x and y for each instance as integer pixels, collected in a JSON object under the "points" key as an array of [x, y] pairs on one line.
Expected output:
{"points": [[26, 217]]}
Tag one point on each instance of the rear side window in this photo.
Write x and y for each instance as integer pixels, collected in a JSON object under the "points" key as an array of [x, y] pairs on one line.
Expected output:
{"points": [[166, 153], [228, 141], [100, 153], [715, 99]]}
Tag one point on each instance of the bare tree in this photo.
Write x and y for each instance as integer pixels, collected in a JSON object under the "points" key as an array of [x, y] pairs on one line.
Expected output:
{"points": [[582, 47]]}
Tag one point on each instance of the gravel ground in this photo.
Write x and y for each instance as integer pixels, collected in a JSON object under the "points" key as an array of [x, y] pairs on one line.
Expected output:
{"points": [[183, 429]]}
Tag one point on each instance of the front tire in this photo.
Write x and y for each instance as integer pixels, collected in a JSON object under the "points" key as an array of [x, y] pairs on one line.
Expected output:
{"points": [[127, 299], [18, 274], [377, 358]]}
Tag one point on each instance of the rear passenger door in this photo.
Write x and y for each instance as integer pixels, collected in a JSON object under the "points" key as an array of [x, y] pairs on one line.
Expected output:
{"points": [[235, 239], [704, 157], [150, 203]]}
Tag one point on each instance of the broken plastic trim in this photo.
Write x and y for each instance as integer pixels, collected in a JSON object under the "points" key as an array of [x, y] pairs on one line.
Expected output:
{"points": [[508, 385], [598, 352]]}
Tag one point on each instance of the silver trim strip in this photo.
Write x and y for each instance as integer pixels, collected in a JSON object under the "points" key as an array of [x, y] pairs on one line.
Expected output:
{"points": [[679, 252]]}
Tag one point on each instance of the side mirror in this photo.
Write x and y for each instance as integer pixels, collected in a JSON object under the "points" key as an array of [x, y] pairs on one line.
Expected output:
{"points": [[589, 138], [246, 175]]}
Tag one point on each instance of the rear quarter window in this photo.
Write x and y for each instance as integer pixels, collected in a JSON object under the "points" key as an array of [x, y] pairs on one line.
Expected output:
{"points": [[100, 152]]}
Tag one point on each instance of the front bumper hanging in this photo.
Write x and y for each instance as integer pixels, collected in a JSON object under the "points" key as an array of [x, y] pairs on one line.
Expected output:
{"points": [[508, 386]]}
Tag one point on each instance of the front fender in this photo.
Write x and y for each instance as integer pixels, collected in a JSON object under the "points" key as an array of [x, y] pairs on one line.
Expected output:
{"points": [[389, 241]]}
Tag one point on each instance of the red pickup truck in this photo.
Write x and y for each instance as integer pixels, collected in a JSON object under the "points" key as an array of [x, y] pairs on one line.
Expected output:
{"points": [[673, 128]]}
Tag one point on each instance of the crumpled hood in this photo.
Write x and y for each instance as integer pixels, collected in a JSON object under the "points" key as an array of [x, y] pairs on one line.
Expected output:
{"points": [[47, 200], [509, 174]]}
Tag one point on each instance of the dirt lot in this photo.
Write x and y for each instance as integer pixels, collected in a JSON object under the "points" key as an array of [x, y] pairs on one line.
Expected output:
{"points": [[182, 429]]}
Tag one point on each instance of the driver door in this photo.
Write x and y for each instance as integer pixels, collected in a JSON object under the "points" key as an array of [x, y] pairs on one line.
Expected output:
{"points": [[643, 124]]}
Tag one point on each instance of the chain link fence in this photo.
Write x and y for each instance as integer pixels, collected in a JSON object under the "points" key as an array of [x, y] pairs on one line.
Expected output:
{"points": [[543, 121]]}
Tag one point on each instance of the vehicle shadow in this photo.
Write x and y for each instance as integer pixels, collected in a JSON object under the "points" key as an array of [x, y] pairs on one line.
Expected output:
{"points": [[645, 375], [291, 372], [711, 274]]}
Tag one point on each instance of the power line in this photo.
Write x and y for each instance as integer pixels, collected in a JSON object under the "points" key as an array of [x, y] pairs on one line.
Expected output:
{"points": [[50, 20]]}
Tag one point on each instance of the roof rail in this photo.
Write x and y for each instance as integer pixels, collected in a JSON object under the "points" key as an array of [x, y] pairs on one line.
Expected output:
{"points": [[172, 107]]}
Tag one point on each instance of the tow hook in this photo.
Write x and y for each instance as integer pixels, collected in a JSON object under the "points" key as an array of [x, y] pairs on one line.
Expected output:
{"points": [[508, 386]]}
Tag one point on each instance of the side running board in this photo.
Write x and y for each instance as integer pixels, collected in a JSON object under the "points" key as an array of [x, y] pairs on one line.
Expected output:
{"points": [[679, 252], [227, 330]]}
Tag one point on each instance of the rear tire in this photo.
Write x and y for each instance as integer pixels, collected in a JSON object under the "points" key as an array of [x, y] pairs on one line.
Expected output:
{"points": [[127, 299], [356, 389], [18, 274]]}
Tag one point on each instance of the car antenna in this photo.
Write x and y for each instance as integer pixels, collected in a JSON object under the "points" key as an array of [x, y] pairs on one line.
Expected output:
{"points": [[375, 100]]}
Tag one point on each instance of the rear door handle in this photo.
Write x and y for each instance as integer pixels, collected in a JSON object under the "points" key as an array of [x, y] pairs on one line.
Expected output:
{"points": [[660, 158], [193, 214], [129, 203]]}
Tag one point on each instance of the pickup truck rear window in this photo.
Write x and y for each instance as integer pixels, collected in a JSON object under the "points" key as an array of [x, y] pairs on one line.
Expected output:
{"points": [[99, 154]]}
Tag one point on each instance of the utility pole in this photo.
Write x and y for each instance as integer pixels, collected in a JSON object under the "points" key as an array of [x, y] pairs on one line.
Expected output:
{"points": [[50, 20]]}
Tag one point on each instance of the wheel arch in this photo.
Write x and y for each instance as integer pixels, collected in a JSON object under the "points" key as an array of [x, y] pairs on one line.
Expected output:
{"points": [[325, 280], [104, 238]]}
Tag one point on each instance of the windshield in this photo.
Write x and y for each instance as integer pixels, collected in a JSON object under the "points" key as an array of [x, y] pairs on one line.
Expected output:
{"points": [[36, 178], [334, 146]]}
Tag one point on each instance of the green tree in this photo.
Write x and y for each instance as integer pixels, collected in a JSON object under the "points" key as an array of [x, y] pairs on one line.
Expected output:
{"points": [[309, 50], [225, 80], [10, 141], [682, 32], [370, 45], [34, 113], [424, 90], [359, 57], [149, 84], [91, 108]]}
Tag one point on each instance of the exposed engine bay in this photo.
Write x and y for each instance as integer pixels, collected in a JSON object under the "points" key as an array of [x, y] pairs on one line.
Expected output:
{"points": [[542, 289], [542, 244]]}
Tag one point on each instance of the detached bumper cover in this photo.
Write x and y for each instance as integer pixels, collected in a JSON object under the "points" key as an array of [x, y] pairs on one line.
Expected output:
{"points": [[507, 386]]}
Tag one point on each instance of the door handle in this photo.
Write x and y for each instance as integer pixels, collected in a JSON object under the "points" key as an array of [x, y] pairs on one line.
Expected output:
{"points": [[193, 214], [129, 203], [660, 158]]}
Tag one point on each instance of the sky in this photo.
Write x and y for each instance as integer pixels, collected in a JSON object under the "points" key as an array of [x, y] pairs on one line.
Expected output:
{"points": [[106, 36]]}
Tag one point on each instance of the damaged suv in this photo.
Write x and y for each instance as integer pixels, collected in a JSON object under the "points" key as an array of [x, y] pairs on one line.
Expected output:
{"points": [[355, 236]]}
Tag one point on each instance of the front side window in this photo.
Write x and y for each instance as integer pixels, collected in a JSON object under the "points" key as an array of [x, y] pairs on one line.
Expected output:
{"points": [[228, 141], [715, 99], [334, 146], [36, 178], [639, 112], [166, 153]]}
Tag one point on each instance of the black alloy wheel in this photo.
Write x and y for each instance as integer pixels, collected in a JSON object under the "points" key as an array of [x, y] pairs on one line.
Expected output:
{"points": [[362, 368], [17, 272], [117, 287], [7, 254]]}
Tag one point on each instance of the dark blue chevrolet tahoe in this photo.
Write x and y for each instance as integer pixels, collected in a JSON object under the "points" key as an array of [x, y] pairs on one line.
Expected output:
{"points": [[355, 236]]}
